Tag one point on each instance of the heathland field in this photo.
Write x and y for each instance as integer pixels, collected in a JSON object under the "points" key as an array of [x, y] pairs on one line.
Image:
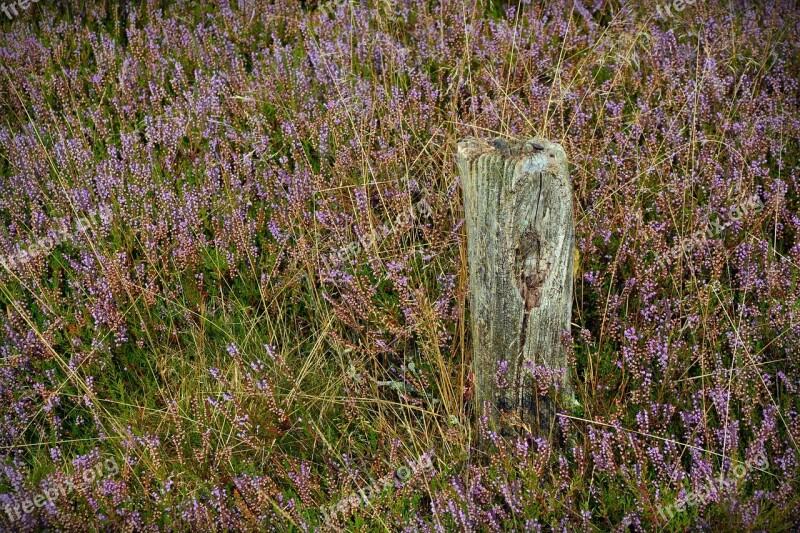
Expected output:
{"points": [[233, 264]]}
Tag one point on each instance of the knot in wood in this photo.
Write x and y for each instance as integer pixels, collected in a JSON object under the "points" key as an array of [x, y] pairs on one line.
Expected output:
{"points": [[532, 263]]}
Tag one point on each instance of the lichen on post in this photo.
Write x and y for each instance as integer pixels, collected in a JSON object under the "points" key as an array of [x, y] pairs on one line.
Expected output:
{"points": [[520, 245]]}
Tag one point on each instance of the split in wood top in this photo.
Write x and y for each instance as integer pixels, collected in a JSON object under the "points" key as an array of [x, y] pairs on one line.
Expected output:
{"points": [[535, 148]]}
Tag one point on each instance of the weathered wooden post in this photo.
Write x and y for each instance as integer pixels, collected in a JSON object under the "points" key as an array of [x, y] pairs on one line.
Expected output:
{"points": [[520, 242]]}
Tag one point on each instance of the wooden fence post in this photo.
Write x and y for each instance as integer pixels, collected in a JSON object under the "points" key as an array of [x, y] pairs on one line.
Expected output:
{"points": [[520, 242]]}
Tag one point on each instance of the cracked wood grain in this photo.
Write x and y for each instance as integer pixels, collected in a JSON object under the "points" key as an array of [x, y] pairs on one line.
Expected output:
{"points": [[520, 245]]}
